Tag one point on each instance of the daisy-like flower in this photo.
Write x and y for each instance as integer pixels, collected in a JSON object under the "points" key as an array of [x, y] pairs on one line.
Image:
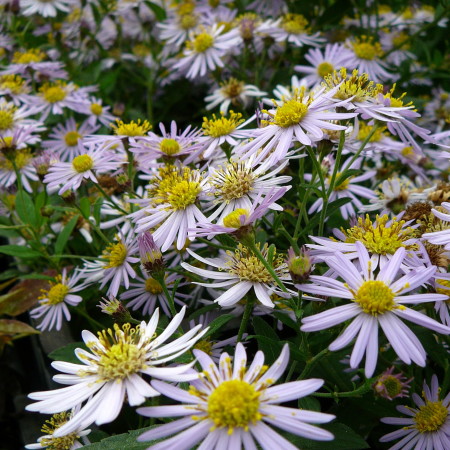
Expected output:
{"points": [[66, 140], [64, 176], [171, 204], [114, 265], [23, 159], [13, 118], [390, 385], [45, 8], [237, 185], [53, 301], [333, 58], [374, 300], [70, 441], [230, 406], [427, 424], [97, 112], [145, 293], [232, 93], [112, 371], [205, 50], [367, 56], [442, 286], [15, 87], [240, 271], [440, 237], [300, 119]]}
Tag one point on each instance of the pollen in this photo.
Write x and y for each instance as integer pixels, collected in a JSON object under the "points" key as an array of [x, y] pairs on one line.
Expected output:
{"points": [[221, 126], [33, 55], [169, 146], [71, 138], [430, 417], [291, 113], [50, 426], [443, 290], [22, 158], [12, 83], [115, 255], [6, 116], [234, 403], [131, 129], [365, 48], [324, 69], [96, 109], [202, 42], [188, 21], [232, 182], [205, 345], [82, 163], [375, 297], [379, 238], [183, 194], [56, 294], [153, 286], [294, 23], [53, 92], [233, 220]]}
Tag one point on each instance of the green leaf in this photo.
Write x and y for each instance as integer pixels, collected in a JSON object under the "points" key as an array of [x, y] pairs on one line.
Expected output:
{"points": [[63, 237], [16, 328], [67, 353], [19, 251], [25, 208], [85, 207], [309, 403], [160, 13], [218, 323], [268, 340], [126, 441]]}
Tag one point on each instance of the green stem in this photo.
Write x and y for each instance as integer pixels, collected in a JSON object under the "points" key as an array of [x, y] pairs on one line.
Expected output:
{"points": [[108, 197], [170, 300], [311, 363], [366, 387], [94, 323], [94, 226], [245, 318]]}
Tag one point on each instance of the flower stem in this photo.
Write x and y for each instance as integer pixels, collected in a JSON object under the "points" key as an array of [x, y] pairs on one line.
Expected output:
{"points": [[108, 197], [162, 281], [311, 363], [244, 322]]}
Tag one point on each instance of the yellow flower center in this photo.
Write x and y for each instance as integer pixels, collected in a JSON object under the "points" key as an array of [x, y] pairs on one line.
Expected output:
{"points": [[291, 113], [232, 220], [22, 158], [443, 290], [169, 146], [12, 83], [53, 93], [96, 109], [365, 48], [71, 138], [56, 294], [378, 238], [324, 69], [115, 255], [234, 403], [188, 21], [33, 55], [202, 42], [153, 286], [183, 194], [342, 186], [375, 297], [232, 182], [431, 417], [6, 118], [393, 386], [365, 130], [401, 41], [294, 23], [50, 426], [82, 163], [407, 152], [131, 129], [205, 346], [222, 126], [232, 88]]}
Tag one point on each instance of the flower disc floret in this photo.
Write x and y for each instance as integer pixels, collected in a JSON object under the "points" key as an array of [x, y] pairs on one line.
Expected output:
{"points": [[221, 126], [431, 417], [49, 427], [232, 182], [6, 118], [232, 88], [56, 294], [232, 220], [53, 92], [33, 55], [115, 255], [71, 138], [183, 194], [169, 146], [291, 113], [13, 83], [393, 386], [365, 48], [153, 286], [375, 297], [131, 129], [96, 109], [324, 69], [294, 23], [202, 42], [234, 403], [82, 163]]}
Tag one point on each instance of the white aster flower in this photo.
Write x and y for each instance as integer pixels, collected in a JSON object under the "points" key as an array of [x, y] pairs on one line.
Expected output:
{"points": [[23, 159], [230, 406], [428, 423], [440, 237], [375, 300], [46, 8], [53, 301], [97, 112], [113, 370]]}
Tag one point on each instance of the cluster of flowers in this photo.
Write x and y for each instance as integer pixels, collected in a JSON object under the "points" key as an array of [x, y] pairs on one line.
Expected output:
{"points": [[159, 210]]}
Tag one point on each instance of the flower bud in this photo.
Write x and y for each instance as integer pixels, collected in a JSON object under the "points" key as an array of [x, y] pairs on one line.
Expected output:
{"points": [[300, 266], [151, 257]]}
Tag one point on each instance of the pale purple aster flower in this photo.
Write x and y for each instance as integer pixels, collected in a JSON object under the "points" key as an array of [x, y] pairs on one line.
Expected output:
{"points": [[374, 300], [46, 8], [66, 140], [390, 385], [300, 119], [24, 164], [238, 272], [442, 286], [114, 369], [97, 112], [64, 176], [53, 301], [333, 58], [13, 118], [440, 237], [205, 50], [427, 425], [249, 393], [15, 87]]}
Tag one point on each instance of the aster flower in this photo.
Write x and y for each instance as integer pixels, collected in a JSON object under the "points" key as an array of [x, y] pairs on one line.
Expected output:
{"points": [[232, 93], [97, 112], [15, 87], [374, 300], [53, 301], [45, 8], [23, 160], [66, 140], [300, 119], [333, 58], [13, 118], [171, 204], [112, 371], [64, 176], [390, 385], [239, 272], [67, 442], [205, 50], [229, 406], [440, 237], [427, 424]]}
